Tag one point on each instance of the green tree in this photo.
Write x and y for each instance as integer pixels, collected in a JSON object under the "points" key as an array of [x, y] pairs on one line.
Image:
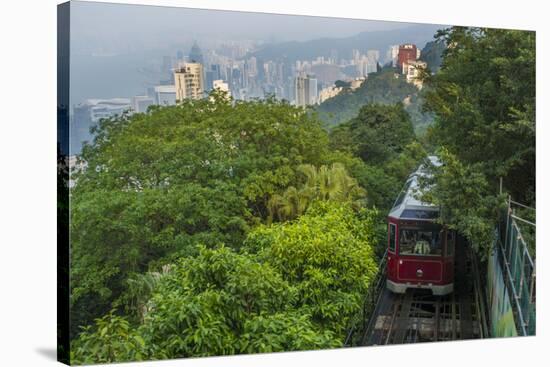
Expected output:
{"points": [[111, 340], [484, 101], [158, 183], [284, 332], [383, 87], [461, 191], [217, 303], [376, 134], [326, 255], [326, 183], [201, 307]]}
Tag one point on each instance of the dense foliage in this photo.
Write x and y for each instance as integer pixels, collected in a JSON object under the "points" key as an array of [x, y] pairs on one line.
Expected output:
{"points": [[156, 184], [376, 134], [294, 286], [219, 227], [432, 54], [484, 100], [382, 140], [386, 86], [327, 255], [326, 183]]}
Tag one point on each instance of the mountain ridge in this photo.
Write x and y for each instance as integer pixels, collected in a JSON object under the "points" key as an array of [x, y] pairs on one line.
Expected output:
{"points": [[369, 40]]}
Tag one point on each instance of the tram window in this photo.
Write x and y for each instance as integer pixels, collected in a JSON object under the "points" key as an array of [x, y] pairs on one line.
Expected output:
{"points": [[403, 193], [416, 241], [450, 242], [392, 237]]}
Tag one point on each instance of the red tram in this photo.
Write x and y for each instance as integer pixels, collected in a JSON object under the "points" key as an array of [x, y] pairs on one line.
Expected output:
{"points": [[420, 251]]}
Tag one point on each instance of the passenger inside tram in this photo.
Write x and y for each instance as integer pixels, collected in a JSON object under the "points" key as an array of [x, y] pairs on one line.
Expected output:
{"points": [[422, 246], [420, 242]]}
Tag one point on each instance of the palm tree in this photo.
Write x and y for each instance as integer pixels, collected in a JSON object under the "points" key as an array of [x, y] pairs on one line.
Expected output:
{"points": [[324, 183], [140, 288]]}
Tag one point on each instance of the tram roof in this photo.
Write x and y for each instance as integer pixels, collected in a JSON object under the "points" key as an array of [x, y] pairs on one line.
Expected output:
{"points": [[407, 205]]}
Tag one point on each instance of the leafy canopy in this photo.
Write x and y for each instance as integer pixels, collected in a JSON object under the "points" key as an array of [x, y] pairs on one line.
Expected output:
{"points": [[326, 183], [484, 101], [327, 254], [376, 134], [158, 183]]}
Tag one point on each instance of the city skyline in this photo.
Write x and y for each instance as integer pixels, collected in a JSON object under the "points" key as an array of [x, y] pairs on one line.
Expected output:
{"points": [[247, 64]]}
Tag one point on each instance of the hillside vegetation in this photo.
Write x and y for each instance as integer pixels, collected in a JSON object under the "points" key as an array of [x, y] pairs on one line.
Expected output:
{"points": [[383, 87], [219, 227]]}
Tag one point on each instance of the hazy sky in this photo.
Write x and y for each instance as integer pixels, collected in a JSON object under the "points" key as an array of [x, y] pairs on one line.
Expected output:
{"points": [[115, 48], [104, 25]]}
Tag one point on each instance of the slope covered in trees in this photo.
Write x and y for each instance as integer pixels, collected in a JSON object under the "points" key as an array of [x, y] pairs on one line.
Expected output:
{"points": [[214, 227], [293, 287], [432, 54], [484, 101], [385, 87]]}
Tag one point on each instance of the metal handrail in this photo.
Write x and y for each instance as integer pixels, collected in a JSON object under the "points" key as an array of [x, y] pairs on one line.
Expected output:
{"points": [[510, 283], [512, 245], [523, 220], [520, 204]]}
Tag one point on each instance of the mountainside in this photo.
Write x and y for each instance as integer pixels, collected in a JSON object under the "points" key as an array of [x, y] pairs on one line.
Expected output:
{"points": [[375, 40], [385, 87], [432, 53]]}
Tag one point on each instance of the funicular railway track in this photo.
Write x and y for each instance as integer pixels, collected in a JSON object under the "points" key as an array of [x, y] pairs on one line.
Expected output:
{"points": [[418, 316]]}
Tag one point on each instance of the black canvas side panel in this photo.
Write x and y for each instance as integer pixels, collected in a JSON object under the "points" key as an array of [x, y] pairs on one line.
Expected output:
{"points": [[63, 57]]}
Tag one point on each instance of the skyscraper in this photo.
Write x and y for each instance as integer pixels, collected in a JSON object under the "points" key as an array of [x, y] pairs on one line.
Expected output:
{"points": [[195, 54], [392, 54], [312, 97], [333, 58], [189, 81], [166, 67], [305, 90]]}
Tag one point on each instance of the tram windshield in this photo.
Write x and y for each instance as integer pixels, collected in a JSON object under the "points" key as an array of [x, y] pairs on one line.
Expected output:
{"points": [[421, 241]]}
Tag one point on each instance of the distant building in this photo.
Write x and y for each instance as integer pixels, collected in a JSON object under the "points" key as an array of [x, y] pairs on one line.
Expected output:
{"points": [[164, 94], [195, 54], [104, 108], [355, 55], [373, 55], [333, 58], [305, 86], [361, 65], [412, 70], [222, 86], [189, 81], [167, 65], [89, 113], [327, 73], [141, 103], [393, 52], [211, 75], [407, 53]]}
